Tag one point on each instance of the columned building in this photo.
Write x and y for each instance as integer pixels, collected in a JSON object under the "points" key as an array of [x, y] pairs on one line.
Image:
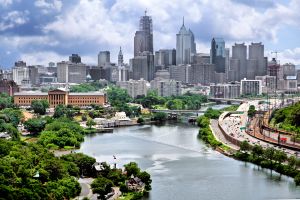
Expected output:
{"points": [[60, 96]]}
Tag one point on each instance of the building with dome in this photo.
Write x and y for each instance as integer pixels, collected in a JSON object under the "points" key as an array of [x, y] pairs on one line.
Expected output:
{"points": [[185, 46]]}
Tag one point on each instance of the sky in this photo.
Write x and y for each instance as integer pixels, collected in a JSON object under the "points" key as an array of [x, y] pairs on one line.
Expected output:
{"points": [[43, 31]]}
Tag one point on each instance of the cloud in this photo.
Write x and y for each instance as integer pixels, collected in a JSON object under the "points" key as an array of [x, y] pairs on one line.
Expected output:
{"points": [[49, 6], [290, 56], [5, 3], [88, 26], [13, 19]]}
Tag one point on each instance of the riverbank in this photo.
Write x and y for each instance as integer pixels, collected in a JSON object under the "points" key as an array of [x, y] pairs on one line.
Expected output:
{"points": [[268, 158]]}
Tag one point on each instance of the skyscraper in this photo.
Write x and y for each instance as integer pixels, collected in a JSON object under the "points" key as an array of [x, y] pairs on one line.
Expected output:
{"points": [[217, 54], [256, 52], [120, 57], [143, 39], [143, 66], [239, 54], [185, 46], [103, 58]]}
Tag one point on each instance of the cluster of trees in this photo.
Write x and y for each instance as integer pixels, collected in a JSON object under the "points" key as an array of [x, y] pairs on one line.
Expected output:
{"points": [[87, 87], [251, 111], [288, 118], [61, 133], [29, 171], [212, 114], [206, 134], [270, 158], [9, 121], [39, 106], [159, 117], [115, 177], [6, 101], [187, 101], [66, 111]]}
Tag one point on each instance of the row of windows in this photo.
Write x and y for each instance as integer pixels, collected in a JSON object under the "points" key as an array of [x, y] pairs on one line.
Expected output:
{"points": [[32, 98], [87, 98], [80, 101]]}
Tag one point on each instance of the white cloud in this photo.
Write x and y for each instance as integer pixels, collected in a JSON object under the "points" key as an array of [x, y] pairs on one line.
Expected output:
{"points": [[49, 6], [290, 56], [13, 19], [90, 20], [5, 3], [42, 57]]}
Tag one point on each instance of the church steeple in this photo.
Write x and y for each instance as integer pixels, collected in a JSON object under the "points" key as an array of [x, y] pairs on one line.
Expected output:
{"points": [[120, 57]]}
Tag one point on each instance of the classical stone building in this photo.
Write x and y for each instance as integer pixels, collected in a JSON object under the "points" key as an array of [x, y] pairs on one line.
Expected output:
{"points": [[60, 96]]}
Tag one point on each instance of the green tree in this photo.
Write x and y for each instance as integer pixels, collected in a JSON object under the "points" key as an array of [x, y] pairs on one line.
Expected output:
{"points": [[160, 116], [35, 125], [145, 178], [83, 162], [102, 186], [203, 121], [245, 146], [90, 123], [59, 111], [132, 169], [251, 111], [212, 114], [39, 106]]}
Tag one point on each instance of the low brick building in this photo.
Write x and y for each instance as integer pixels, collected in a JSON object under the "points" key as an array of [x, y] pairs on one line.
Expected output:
{"points": [[60, 96]]}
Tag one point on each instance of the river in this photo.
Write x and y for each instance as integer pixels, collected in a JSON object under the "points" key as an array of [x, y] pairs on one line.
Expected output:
{"points": [[183, 167]]}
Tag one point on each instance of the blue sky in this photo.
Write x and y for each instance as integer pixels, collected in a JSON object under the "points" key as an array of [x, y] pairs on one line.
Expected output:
{"points": [[41, 31]]}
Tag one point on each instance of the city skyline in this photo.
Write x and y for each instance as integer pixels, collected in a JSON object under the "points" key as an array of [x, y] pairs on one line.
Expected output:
{"points": [[43, 31]]}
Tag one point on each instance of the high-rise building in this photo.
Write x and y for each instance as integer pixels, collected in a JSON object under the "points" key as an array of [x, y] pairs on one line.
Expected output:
{"points": [[185, 46], [217, 54], [251, 87], [166, 87], [239, 52], [268, 83], [231, 90], [103, 58], [200, 58], [163, 74], [143, 39], [143, 66], [75, 58], [165, 57], [135, 87], [203, 73], [20, 73], [120, 58], [181, 73], [68, 72], [256, 52]]}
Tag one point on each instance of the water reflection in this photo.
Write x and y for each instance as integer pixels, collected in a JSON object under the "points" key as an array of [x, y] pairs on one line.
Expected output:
{"points": [[182, 167]]}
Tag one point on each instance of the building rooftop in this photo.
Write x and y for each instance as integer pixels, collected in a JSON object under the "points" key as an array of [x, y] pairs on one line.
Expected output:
{"points": [[30, 93]]}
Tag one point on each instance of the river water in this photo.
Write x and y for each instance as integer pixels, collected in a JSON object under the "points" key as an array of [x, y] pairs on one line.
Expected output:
{"points": [[183, 167]]}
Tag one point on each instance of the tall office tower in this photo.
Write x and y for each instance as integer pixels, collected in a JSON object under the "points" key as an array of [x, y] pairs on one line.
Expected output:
{"points": [[239, 52], [120, 58], [75, 58], [143, 39], [185, 46], [103, 58], [203, 73], [181, 73], [217, 54], [20, 73], [199, 58], [227, 62], [256, 52], [143, 66], [165, 57], [68, 72]]}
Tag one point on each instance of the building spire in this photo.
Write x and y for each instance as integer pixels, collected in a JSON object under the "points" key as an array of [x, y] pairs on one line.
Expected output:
{"points": [[146, 12], [183, 21]]}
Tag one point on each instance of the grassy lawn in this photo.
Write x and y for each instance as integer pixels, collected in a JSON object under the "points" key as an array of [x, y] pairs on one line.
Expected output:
{"points": [[127, 196]]}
